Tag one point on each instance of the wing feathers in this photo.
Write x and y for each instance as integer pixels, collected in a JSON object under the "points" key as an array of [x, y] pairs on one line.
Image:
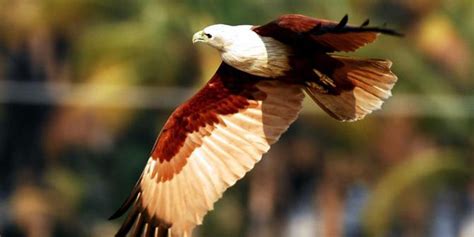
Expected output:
{"points": [[370, 82], [222, 171], [177, 192], [238, 126], [130, 200], [139, 226], [249, 153], [321, 35], [149, 231], [128, 223], [215, 138]]}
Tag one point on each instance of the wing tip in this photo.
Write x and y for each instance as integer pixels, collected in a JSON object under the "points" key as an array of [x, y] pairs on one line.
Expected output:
{"points": [[139, 223], [343, 27], [128, 202]]}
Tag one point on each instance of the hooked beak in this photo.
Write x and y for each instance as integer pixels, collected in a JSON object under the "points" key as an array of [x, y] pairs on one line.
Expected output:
{"points": [[199, 37]]}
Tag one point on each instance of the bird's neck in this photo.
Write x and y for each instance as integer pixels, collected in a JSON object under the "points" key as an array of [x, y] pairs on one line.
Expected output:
{"points": [[260, 56]]}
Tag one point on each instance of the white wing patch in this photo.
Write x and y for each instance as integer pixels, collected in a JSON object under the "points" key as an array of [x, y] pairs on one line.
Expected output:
{"points": [[221, 155]]}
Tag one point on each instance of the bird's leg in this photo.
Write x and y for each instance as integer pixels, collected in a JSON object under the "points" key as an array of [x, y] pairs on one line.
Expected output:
{"points": [[322, 83]]}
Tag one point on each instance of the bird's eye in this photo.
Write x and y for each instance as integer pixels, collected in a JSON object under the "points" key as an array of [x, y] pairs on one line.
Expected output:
{"points": [[208, 35]]}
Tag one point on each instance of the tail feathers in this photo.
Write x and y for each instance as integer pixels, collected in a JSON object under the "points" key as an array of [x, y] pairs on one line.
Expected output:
{"points": [[370, 82]]}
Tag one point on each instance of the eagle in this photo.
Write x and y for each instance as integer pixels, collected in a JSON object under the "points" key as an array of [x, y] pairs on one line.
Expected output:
{"points": [[218, 135]]}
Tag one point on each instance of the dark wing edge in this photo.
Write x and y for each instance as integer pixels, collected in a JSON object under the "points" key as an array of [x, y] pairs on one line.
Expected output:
{"points": [[246, 133], [322, 35], [128, 202], [136, 218], [342, 27], [136, 215]]}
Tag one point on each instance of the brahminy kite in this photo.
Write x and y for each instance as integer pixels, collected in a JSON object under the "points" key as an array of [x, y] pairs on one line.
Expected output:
{"points": [[218, 135]]}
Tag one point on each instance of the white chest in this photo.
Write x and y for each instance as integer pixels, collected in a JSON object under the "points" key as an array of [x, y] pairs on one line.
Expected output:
{"points": [[261, 56]]}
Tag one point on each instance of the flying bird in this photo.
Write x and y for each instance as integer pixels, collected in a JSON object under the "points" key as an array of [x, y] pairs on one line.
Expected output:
{"points": [[217, 136]]}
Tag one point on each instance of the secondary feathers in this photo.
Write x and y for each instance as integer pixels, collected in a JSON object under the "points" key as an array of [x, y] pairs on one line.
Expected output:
{"points": [[216, 137]]}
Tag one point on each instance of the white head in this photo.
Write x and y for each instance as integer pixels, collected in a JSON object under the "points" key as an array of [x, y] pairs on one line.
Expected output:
{"points": [[220, 36], [242, 48]]}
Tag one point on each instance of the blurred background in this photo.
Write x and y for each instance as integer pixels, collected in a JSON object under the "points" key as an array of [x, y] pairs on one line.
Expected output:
{"points": [[85, 87]]}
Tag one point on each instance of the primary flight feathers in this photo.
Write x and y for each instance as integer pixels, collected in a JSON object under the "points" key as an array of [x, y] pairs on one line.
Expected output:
{"points": [[217, 136]]}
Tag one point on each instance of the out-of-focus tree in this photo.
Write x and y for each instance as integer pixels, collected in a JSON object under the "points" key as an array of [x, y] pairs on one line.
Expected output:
{"points": [[69, 158]]}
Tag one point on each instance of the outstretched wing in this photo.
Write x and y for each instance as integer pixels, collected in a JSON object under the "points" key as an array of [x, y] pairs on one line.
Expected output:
{"points": [[206, 145], [321, 35]]}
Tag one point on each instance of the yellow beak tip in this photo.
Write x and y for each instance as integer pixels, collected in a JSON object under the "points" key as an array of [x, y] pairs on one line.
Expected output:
{"points": [[198, 37]]}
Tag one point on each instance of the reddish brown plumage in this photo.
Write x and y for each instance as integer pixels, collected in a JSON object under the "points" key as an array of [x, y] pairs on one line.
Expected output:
{"points": [[229, 92], [213, 139], [326, 74], [226, 93], [307, 33]]}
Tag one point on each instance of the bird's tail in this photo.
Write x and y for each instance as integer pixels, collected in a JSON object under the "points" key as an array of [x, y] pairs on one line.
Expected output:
{"points": [[353, 87]]}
